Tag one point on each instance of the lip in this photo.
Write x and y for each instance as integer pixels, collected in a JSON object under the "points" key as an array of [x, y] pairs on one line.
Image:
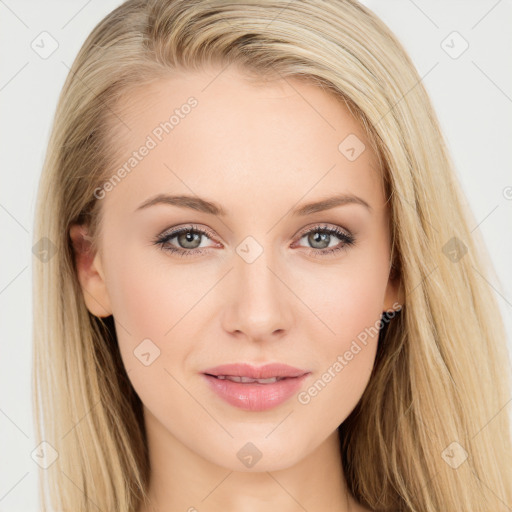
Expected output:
{"points": [[255, 396]]}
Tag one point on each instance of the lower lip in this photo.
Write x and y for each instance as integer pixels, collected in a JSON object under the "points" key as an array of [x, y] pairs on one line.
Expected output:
{"points": [[253, 396]]}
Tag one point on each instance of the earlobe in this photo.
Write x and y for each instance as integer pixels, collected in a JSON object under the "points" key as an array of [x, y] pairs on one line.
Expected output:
{"points": [[90, 272]]}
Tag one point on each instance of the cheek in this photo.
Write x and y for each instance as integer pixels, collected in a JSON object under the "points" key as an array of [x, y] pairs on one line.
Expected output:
{"points": [[150, 295], [151, 349], [346, 359], [146, 304], [352, 308], [347, 298], [157, 306]]}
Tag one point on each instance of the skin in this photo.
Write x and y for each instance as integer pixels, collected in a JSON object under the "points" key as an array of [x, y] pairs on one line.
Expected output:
{"points": [[259, 151]]}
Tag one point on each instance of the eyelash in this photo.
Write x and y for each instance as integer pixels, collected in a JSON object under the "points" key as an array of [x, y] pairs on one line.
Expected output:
{"points": [[162, 240]]}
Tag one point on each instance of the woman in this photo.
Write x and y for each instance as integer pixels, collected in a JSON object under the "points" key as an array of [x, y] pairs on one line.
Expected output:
{"points": [[264, 291]]}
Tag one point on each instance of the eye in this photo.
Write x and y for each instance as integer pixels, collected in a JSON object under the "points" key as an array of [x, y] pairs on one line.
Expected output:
{"points": [[320, 238], [189, 239]]}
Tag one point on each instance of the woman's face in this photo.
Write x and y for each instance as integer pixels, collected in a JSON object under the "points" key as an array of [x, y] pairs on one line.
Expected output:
{"points": [[258, 278]]}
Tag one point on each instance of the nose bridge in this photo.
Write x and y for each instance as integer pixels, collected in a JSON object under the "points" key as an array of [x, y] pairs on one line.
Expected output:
{"points": [[259, 302]]}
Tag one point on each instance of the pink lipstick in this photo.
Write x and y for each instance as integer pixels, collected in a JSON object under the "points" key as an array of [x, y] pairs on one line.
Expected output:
{"points": [[255, 388]]}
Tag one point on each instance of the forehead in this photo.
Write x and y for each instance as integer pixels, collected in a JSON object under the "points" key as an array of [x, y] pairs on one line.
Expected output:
{"points": [[215, 131]]}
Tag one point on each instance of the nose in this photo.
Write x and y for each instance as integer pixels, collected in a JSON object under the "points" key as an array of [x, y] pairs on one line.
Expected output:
{"points": [[259, 305]]}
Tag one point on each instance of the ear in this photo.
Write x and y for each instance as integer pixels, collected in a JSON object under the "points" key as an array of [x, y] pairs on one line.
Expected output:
{"points": [[90, 272], [394, 291]]}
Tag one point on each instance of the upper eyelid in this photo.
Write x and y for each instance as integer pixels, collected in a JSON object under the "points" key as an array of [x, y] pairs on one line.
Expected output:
{"points": [[171, 233], [323, 226]]}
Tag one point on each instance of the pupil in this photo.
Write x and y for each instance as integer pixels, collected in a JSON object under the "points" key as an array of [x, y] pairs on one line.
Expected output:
{"points": [[189, 238], [319, 237]]}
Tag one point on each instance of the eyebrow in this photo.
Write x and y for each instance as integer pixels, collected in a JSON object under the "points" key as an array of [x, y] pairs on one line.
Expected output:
{"points": [[212, 208]]}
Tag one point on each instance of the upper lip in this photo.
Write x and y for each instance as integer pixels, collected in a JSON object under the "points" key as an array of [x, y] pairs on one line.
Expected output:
{"points": [[266, 371]]}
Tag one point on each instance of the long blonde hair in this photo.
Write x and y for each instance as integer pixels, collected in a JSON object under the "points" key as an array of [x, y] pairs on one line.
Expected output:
{"points": [[430, 432]]}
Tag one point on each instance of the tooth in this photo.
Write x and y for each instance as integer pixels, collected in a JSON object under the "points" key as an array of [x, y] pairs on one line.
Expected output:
{"points": [[234, 378], [271, 380]]}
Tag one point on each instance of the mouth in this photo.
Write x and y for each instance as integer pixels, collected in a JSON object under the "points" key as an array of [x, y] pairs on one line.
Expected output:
{"points": [[255, 388], [245, 380], [261, 373]]}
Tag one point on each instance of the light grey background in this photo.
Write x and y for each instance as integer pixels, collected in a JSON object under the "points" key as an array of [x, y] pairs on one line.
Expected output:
{"points": [[471, 93]]}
